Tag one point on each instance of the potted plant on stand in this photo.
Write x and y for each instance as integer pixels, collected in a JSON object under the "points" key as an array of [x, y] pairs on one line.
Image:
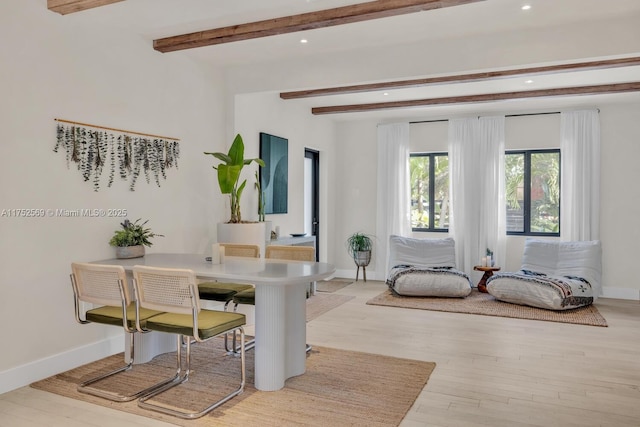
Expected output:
{"points": [[229, 172], [132, 238], [359, 246]]}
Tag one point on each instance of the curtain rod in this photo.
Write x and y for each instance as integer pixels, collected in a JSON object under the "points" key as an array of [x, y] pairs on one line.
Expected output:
{"points": [[506, 115], [116, 130]]}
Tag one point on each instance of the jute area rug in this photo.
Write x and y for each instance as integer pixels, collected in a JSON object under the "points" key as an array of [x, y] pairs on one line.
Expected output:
{"points": [[487, 305], [332, 285], [339, 388], [320, 303]]}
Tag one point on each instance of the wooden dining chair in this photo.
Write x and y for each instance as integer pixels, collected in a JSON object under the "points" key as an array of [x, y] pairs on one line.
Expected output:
{"points": [[293, 253], [175, 292], [222, 291], [107, 287]]}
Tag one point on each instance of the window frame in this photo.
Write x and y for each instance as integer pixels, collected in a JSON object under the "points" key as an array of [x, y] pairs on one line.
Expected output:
{"points": [[527, 193], [432, 205]]}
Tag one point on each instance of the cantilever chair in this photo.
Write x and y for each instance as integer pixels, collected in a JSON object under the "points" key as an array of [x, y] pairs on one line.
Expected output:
{"points": [[106, 285], [175, 292], [224, 292], [292, 253]]}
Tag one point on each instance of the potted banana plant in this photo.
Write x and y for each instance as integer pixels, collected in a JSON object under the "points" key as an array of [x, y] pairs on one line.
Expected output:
{"points": [[229, 171]]}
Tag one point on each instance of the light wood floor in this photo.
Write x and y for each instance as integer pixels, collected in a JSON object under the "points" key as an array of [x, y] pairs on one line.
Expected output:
{"points": [[490, 371]]}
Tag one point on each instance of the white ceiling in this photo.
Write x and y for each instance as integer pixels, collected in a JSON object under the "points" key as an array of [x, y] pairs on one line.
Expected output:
{"points": [[151, 19]]}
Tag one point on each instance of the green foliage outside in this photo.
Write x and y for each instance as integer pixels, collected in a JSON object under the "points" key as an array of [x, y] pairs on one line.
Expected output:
{"points": [[545, 191], [420, 182]]}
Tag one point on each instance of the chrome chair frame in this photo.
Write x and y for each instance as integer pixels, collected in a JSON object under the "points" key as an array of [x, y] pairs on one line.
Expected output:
{"points": [[154, 303], [107, 296]]}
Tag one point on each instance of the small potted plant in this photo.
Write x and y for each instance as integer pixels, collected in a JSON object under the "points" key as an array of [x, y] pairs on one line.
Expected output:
{"points": [[359, 247], [132, 238]]}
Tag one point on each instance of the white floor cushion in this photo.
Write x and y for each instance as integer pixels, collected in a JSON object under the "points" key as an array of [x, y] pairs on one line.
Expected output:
{"points": [[429, 282], [542, 291]]}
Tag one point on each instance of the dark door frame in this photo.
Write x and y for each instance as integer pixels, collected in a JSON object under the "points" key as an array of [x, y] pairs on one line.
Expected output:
{"points": [[315, 196]]}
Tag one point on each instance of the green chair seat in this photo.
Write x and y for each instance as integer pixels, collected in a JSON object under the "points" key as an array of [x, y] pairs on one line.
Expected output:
{"points": [[112, 315], [219, 291], [210, 323], [245, 297]]}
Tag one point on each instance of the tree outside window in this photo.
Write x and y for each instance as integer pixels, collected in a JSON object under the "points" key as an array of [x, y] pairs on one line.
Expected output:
{"points": [[533, 192], [429, 191]]}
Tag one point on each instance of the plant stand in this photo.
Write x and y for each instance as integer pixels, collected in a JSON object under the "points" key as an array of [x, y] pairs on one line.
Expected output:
{"points": [[362, 259]]}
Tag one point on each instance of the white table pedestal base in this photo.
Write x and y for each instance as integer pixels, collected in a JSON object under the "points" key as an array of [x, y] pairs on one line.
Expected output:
{"points": [[149, 345], [281, 334]]}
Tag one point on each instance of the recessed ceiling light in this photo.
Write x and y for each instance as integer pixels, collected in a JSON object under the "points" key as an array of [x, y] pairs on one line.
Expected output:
{"points": [[304, 41], [386, 93], [526, 7], [528, 81]]}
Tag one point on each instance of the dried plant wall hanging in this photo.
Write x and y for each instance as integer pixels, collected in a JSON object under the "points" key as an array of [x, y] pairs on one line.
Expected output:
{"points": [[95, 149]]}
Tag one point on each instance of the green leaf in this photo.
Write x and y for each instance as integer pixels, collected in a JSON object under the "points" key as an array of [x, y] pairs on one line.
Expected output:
{"points": [[227, 177], [236, 152], [224, 157]]}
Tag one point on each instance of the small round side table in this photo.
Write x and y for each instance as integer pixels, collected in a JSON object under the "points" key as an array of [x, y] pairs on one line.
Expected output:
{"points": [[488, 272]]}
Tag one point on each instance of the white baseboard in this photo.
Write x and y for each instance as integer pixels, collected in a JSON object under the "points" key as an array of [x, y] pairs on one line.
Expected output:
{"points": [[621, 293], [23, 375], [351, 274]]}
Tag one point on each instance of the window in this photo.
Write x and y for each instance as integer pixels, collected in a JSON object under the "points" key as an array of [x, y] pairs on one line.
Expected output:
{"points": [[429, 191], [533, 192]]}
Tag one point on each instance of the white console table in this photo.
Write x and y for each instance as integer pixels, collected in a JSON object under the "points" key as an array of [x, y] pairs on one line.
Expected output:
{"points": [[294, 241]]}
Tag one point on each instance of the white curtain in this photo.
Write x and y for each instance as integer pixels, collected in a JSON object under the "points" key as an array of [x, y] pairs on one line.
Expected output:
{"points": [[580, 175], [476, 167], [394, 193], [494, 225], [464, 199]]}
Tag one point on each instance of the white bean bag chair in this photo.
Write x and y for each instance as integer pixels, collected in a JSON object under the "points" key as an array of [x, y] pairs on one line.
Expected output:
{"points": [[554, 275], [425, 267]]}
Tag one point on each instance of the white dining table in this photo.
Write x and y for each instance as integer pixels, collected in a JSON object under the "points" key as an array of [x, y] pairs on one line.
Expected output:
{"points": [[280, 306]]}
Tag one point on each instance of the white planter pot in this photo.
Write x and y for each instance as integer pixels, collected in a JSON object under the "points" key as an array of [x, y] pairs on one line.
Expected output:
{"points": [[250, 233]]}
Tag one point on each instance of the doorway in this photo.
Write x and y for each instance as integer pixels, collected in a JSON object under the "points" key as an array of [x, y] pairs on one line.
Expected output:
{"points": [[312, 196]]}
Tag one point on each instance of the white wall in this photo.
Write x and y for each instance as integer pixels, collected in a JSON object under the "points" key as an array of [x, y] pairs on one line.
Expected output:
{"points": [[620, 199], [356, 194], [54, 69], [266, 112]]}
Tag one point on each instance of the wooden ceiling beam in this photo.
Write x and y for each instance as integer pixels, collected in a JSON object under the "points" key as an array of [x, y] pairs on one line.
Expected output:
{"points": [[65, 7], [488, 97], [306, 21], [463, 78]]}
